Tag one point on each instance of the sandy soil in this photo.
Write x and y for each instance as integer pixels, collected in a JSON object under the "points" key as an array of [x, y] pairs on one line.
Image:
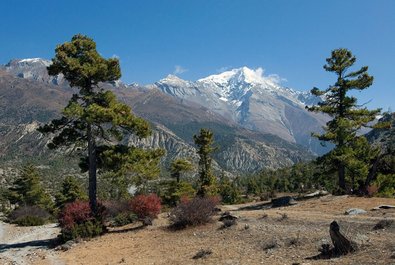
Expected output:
{"points": [[256, 239], [24, 245]]}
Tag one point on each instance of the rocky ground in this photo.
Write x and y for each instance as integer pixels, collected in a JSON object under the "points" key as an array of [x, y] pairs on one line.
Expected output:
{"points": [[23, 245], [285, 235]]}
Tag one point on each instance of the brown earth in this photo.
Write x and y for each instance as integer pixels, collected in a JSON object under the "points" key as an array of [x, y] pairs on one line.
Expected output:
{"points": [[293, 238]]}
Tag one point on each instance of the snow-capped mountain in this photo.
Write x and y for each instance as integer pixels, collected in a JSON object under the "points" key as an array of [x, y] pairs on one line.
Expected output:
{"points": [[254, 101], [242, 96], [36, 69], [33, 68]]}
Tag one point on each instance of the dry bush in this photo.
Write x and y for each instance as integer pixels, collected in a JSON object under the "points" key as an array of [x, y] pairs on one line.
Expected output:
{"points": [[382, 224], [29, 216], [114, 208], [119, 213], [283, 216], [193, 212], [202, 253]]}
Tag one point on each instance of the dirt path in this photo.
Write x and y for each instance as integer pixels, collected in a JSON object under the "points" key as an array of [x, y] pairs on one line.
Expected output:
{"points": [[22, 245]]}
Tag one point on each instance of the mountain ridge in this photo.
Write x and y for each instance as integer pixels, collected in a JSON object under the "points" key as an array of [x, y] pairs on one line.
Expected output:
{"points": [[31, 99]]}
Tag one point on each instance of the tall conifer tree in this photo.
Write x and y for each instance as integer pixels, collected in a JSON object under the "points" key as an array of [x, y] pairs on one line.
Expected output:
{"points": [[205, 144], [93, 116], [347, 116]]}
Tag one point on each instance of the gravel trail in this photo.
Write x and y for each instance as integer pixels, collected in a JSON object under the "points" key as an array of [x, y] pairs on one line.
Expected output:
{"points": [[24, 245]]}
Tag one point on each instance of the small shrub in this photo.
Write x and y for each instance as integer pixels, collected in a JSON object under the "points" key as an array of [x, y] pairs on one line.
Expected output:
{"points": [[176, 191], [283, 216], [265, 196], [29, 221], [294, 241], [29, 216], [382, 224], [270, 245], [193, 212], [77, 221], [264, 216], [124, 219], [228, 223], [114, 208], [386, 185], [202, 253], [146, 206]]}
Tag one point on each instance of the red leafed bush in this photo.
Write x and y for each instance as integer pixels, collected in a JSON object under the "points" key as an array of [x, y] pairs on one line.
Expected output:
{"points": [[146, 205], [193, 212], [77, 221], [75, 213]]}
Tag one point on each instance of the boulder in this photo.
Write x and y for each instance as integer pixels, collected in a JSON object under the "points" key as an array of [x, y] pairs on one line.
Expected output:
{"points": [[355, 211]]}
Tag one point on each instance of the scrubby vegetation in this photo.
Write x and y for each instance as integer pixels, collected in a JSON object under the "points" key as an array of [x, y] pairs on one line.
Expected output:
{"points": [[78, 221], [192, 212], [29, 216]]}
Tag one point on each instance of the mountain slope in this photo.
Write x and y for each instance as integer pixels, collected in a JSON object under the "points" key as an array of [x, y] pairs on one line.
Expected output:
{"points": [[29, 100], [253, 101]]}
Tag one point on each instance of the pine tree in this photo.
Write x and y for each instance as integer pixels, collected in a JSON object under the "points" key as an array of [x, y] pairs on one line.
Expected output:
{"points": [[179, 166], [27, 190], [70, 192], [205, 142], [93, 116], [347, 116]]}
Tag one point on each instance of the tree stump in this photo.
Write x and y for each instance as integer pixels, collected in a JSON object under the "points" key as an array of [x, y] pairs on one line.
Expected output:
{"points": [[341, 243]]}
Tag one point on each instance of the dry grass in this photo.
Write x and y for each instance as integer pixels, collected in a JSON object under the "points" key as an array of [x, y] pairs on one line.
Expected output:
{"points": [[294, 239]]}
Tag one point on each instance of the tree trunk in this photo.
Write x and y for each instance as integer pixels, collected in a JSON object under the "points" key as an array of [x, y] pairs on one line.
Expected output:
{"points": [[92, 170], [342, 177], [178, 177], [372, 173], [342, 245]]}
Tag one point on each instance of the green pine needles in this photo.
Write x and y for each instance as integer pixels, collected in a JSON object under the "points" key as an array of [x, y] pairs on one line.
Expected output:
{"points": [[93, 116], [347, 116]]}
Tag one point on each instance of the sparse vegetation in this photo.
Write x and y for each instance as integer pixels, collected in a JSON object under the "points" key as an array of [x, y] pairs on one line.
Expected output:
{"points": [[29, 216], [197, 211], [382, 224]]}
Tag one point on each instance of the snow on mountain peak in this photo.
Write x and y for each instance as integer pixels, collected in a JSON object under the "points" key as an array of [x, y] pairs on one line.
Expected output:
{"points": [[241, 75], [173, 80], [34, 60]]}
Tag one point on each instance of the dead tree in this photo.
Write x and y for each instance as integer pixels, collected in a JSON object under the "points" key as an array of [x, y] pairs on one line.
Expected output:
{"points": [[341, 243]]}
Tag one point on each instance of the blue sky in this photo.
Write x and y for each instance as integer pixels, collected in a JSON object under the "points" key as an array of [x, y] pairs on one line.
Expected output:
{"points": [[201, 37]]}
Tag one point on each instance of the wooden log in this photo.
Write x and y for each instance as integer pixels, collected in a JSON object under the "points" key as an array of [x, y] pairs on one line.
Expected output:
{"points": [[341, 243]]}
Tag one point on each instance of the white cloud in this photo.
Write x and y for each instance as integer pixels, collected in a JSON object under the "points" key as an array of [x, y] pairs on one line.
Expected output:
{"points": [[178, 69], [115, 56], [223, 69], [277, 79]]}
